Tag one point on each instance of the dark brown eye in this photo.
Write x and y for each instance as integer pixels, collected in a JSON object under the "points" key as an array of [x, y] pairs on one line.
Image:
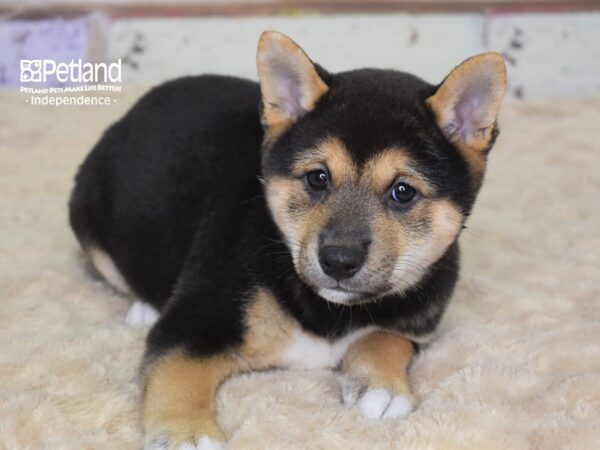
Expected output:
{"points": [[403, 193], [317, 180]]}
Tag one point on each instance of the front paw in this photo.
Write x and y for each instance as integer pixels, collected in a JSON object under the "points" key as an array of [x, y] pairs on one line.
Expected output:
{"points": [[184, 435], [376, 403], [202, 443]]}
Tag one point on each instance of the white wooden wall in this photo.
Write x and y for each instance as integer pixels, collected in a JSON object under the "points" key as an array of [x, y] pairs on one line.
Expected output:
{"points": [[548, 55]]}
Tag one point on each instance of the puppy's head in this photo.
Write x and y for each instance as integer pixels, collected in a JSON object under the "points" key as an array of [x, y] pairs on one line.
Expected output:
{"points": [[370, 174]]}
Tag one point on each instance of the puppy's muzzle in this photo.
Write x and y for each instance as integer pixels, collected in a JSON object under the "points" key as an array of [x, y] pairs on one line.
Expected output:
{"points": [[344, 247]]}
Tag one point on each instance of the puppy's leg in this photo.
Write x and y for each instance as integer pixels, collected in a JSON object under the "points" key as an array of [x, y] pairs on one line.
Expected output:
{"points": [[376, 380], [179, 401]]}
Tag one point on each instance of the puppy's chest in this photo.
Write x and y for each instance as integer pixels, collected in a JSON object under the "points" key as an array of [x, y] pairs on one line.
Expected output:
{"points": [[307, 351], [273, 338]]}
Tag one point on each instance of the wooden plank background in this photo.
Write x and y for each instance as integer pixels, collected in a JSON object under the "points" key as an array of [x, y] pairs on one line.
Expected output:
{"points": [[180, 8]]}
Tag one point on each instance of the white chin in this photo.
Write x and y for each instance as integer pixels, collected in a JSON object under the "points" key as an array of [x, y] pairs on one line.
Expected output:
{"points": [[336, 295]]}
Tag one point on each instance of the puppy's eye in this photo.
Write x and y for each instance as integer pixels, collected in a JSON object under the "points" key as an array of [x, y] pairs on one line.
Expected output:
{"points": [[403, 193], [317, 179]]}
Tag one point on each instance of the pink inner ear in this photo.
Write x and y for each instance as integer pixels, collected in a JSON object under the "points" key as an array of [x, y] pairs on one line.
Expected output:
{"points": [[289, 94], [470, 111]]}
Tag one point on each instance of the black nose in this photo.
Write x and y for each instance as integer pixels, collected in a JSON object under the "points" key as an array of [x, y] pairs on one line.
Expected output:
{"points": [[340, 261]]}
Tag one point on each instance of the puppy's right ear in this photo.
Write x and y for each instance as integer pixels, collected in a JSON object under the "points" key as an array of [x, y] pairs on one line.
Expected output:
{"points": [[289, 83]]}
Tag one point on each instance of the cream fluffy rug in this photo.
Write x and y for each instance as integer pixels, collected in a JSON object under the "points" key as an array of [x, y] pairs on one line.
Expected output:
{"points": [[516, 364]]}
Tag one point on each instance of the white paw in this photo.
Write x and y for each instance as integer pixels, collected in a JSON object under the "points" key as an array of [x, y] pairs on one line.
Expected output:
{"points": [[380, 403], [373, 403], [204, 443], [141, 314], [399, 407]]}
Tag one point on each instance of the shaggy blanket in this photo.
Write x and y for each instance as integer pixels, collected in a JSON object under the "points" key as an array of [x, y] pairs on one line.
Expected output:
{"points": [[516, 364]]}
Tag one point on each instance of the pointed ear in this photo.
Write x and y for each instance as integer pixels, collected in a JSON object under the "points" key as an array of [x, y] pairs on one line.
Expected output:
{"points": [[467, 102], [289, 83]]}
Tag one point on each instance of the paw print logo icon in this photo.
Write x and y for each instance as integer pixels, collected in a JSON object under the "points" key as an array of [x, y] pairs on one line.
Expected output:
{"points": [[31, 70]]}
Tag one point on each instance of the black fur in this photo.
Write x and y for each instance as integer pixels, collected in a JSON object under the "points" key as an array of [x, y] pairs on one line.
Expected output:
{"points": [[172, 193]]}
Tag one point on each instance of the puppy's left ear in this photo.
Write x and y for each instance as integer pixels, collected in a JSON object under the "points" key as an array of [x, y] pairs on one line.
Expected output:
{"points": [[289, 82], [467, 102]]}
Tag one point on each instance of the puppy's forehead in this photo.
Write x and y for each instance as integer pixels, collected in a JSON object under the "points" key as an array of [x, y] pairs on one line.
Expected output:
{"points": [[380, 169], [332, 154], [390, 165]]}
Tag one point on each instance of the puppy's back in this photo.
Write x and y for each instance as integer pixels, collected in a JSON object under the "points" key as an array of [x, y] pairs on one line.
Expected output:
{"points": [[186, 149]]}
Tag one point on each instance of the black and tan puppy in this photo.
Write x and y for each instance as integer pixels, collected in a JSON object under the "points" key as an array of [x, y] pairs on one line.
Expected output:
{"points": [[307, 221]]}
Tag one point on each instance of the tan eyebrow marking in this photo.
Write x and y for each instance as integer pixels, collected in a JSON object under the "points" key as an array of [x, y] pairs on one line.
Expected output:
{"points": [[332, 154], [392, 164]]}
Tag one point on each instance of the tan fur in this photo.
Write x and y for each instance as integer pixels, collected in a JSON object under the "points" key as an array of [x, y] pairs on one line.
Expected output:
{"points": [[332, 155], [476, 161], [446, 223], [389, 237], [443, 219], [179, 398], [312, 222], [483, 70], [342, 169], [281, 193], [278, 192], [269, 330], [418, 248], [381, 171], [276, 49], [273, 131], [379, 360]]}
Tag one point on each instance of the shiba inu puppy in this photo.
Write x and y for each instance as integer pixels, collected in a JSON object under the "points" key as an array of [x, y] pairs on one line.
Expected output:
{"points": [[308, 221]]}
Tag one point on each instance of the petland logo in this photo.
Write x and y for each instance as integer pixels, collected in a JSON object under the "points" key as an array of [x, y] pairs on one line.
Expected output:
{"points": [[48, 83], [75, 72]]}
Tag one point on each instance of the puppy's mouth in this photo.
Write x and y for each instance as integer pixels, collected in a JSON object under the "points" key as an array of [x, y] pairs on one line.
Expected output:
{"points": [[345, 296], [351, 291]]}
